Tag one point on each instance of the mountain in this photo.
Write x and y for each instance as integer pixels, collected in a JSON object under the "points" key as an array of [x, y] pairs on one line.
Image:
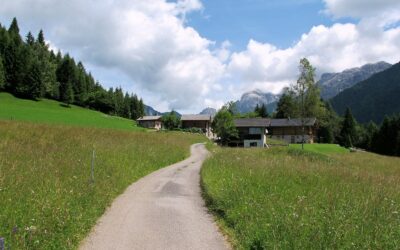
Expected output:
{"points": [[208, 111], [150, 111], [333, 83], [249, 101], [373, 98]]}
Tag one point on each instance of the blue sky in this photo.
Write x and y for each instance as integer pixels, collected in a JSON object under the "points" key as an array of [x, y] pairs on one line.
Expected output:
{"points": [[191, 54], [279, 22]]}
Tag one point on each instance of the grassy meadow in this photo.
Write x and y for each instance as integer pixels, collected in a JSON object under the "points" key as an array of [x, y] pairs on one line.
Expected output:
{"points": [[52, 112], [46, 198], [320, 198]]}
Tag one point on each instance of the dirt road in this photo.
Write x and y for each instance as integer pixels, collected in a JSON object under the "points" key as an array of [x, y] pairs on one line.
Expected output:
{"points": [[163, 210]]}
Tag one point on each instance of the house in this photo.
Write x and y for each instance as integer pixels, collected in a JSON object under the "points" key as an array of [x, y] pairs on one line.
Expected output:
{"points": [[202, 122], [252, 132], [153, 122], [291, 130]]}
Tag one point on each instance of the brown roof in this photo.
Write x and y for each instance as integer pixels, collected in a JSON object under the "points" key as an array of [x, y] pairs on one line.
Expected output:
{"points": [[150, 118], [196, 118], [252, 122], [292, 122]]}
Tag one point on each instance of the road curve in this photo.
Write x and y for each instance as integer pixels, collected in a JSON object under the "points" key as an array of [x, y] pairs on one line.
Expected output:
{"points": [[163, 210]]}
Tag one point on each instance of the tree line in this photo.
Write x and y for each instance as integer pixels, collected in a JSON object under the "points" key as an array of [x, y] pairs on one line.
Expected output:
{"points": [[29, 69]]}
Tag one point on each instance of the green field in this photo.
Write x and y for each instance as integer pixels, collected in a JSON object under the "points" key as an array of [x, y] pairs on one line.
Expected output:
{"points": [[285, 198], [46, 198], [321, 148], [52, 112]]}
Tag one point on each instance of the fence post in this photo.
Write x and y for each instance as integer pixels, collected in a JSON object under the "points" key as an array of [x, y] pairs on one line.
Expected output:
{"points": [[92, 167], [2, 244]]}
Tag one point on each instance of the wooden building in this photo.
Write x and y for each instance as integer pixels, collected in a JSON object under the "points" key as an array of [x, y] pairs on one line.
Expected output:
{"points": [[252, 132], [202, 122], [153, 122], [291, 130]]}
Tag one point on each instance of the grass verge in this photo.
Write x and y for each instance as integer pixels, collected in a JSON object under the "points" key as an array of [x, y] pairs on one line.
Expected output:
{"points": [[46, 198], [285, 198]]}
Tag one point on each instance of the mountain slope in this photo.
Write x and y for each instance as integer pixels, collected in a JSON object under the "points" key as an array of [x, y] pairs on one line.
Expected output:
{"points": [[332, 84], [373, 98], [249, 101], [208, 111]]}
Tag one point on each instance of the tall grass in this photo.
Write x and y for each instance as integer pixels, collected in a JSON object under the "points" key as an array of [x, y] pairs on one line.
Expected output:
{"points": [[46, 198], [284, 198]]}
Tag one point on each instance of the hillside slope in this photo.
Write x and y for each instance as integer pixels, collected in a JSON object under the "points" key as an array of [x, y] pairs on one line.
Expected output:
{"points": [[373, 98], [52, 112]]}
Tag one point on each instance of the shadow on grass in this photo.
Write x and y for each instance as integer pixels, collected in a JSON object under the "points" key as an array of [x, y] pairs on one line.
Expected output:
{"points": [[64, 105]]}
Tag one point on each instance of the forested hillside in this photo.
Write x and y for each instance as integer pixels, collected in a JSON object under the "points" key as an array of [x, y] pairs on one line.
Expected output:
{"points": [[29, 69], [372, 99]]}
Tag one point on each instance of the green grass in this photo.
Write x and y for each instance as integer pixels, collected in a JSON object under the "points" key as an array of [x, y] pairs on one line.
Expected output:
{"points": [[46, 198], [322, 148], [285, 198], [51, 112]]}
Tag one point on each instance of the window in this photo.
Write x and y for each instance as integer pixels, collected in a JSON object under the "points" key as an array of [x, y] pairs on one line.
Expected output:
{"points": [[254, 131]]}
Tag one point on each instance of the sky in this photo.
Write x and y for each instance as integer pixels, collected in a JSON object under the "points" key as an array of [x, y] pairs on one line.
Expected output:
{"points": [[187, 55]]}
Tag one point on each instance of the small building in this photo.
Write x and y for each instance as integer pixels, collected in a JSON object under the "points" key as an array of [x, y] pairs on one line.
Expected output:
{"points": [[153, 122], [252, 132], [291, 130], [202, 122]]}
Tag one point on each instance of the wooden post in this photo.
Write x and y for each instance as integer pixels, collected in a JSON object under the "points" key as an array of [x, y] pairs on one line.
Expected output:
{"points": [[2, 244], [92, 167]]}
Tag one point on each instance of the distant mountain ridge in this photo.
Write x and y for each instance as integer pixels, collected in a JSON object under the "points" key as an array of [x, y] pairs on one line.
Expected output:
{"points": [[373, 98], [208, 111], [249, 101], [332, 84]]}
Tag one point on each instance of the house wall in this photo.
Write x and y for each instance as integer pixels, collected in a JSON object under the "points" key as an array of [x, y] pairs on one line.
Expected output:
{"points": [[252, 136], [293, 134], [204, 125], [151, 124]]}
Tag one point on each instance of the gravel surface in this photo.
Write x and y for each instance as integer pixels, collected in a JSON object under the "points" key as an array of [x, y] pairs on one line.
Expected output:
{"points": [[163, 210]]}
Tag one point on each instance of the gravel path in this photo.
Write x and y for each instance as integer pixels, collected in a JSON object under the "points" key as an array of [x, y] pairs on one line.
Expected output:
{"points": [[163, 210]]}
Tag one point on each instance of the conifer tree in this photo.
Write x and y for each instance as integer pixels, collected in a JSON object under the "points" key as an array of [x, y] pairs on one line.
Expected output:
{"points": [[40, 38], [2, 75], [348, 133], [30, 40], [33, 81], [14, 27]]}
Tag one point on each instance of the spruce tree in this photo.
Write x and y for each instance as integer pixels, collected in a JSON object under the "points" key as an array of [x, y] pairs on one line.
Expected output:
{"points": [[40, 38], [14, 26], [30, 40], [2, 75], [33, 81], [348, 132]]}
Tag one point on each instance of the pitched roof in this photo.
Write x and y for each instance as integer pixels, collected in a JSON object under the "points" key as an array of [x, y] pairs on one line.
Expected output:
{"points": [[150, 118], [252, 122], [292, 122], [196, 118]]}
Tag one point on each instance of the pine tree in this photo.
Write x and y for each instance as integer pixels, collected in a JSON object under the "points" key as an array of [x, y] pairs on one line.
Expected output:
{"points": [[141, 108], [33, 81], [14, 27], [2, 75], [348, 132], [30, 40], [40, 39], [286, 107]]}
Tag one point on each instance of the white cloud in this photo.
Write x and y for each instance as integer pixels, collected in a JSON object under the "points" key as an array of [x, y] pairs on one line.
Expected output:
{"points": [[330, 49], [146, 40]]}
